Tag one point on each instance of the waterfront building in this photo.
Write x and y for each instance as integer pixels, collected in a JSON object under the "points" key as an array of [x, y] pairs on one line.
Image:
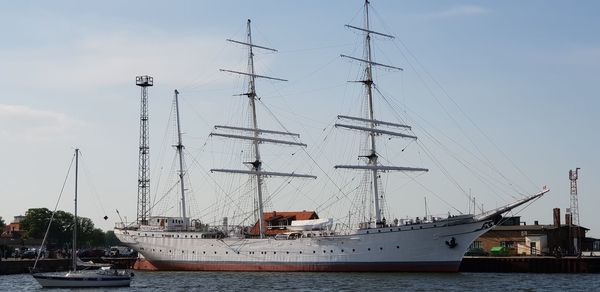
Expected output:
{"points": [[519, 238]]}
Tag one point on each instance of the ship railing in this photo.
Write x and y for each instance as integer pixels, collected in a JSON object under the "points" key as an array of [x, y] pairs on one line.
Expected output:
{"points": [[124, 226]]}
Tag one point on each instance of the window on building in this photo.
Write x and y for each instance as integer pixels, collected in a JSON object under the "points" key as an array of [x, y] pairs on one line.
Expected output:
{"points": [[507, 244], [475, 245]]}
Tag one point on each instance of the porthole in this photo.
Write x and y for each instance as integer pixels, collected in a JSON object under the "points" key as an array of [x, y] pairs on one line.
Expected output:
{"points": [[314, 251], [381, 248], [378, 230], [287, 252], [353, 250], [369, 249], [342, 250], [420, 227], [331, 250], [215, 252], [226, 252], [367, 231], [300, 251], [397, 246], [411, 228], [391, 230]]}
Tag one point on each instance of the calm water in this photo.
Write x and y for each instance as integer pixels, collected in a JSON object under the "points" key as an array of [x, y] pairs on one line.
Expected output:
{"points": [[213, 281]]}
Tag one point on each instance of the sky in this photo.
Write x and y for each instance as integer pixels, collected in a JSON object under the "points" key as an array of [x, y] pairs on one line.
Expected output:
{"points": [[502, 94]]}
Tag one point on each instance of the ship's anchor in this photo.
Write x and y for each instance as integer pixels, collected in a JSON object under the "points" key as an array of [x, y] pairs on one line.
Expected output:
{"points": [[451, 243]]}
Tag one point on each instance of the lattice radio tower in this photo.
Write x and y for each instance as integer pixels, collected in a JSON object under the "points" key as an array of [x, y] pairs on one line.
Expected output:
{"points": [[143, 198], [573, 175]]}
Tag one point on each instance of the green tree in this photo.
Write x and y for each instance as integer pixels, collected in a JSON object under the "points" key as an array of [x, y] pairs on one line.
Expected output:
{"points": [[111, 239], [35, 222], [61, 230], [2, 224], [89, 236]]}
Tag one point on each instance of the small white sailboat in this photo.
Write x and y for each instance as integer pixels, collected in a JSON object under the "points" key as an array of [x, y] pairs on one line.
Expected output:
{"points": [[104, 277]]}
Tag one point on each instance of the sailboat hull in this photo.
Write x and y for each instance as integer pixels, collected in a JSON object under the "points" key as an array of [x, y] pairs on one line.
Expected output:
{"points": [[62, 281], [427, 247]]}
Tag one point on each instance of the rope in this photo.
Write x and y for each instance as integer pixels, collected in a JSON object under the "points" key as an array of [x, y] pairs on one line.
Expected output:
{"points": [[53, 212]]}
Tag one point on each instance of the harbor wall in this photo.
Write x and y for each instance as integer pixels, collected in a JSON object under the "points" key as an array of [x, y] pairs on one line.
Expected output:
{"points": [[8, 267], [20, 266], [532, 264]]}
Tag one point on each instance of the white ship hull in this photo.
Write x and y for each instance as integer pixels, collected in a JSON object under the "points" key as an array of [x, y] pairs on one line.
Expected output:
{"points": [[423, 247]]}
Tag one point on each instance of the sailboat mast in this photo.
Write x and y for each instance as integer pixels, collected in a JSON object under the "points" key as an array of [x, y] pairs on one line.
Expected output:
{"points": [[368, 82], [180, 147], [257, 164], [74, 251]]}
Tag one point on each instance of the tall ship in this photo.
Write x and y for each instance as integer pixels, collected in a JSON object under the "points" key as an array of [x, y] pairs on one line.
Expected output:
{"points": [[306, 243]]}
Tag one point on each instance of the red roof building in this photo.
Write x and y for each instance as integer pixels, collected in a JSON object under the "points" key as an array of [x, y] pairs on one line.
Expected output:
{"points": [[13, 230], [276, 222]]}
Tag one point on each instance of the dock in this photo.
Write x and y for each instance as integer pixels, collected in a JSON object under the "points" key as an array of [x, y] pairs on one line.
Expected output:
{"points": [[21, 266], [18, 266]]}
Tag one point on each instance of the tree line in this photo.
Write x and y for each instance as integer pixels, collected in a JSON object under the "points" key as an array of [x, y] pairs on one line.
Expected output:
{"points": [[60, 234]]}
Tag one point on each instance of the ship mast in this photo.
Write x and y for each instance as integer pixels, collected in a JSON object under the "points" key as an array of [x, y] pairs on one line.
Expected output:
{"points": [[369, 86], [257, 163], [179, 148], [372, 124], [256, 137]]}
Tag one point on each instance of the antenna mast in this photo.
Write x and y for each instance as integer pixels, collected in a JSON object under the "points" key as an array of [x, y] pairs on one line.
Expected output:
{"points": [[143, 198], [573, 176], [179, 148]]}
